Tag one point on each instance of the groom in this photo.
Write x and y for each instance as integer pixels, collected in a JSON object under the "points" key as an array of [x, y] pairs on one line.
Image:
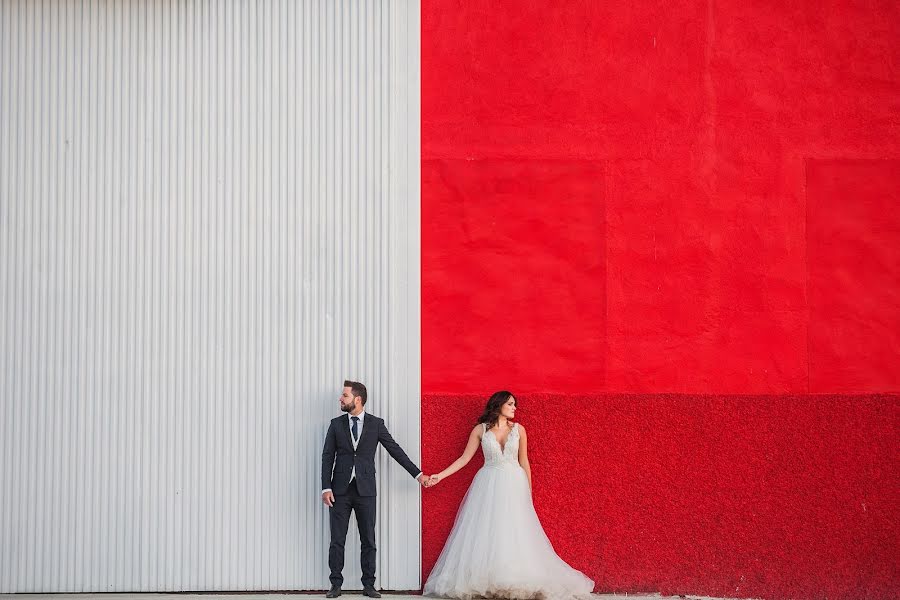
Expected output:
{"points": [[352, 439]]}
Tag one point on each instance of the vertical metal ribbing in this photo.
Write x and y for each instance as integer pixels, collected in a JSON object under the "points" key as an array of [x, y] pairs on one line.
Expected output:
{"points": [[209, 216]]}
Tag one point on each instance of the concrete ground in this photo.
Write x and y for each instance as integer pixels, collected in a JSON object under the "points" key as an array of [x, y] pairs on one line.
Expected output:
{"points": [[295, 596]]}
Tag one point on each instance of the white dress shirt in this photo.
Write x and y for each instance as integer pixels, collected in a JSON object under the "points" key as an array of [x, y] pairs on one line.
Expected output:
{"points": [[359, 428]]}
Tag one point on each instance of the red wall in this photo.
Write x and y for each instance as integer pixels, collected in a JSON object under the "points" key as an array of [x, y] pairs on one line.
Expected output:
{"points": [[672, 223]]}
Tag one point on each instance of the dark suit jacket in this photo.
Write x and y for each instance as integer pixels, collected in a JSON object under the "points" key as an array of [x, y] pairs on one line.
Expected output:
{"points": [[339, 453]]}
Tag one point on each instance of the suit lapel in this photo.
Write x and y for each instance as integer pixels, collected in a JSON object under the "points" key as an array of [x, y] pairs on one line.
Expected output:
{"points": [[345, 428], [368, 428]]}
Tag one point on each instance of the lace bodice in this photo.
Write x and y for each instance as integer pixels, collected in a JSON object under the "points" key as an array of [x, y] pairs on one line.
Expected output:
{"points": [[494, 455]]}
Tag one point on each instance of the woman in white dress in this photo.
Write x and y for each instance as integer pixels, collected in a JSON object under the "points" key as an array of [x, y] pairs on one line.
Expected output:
{"points": [[497, 548]]}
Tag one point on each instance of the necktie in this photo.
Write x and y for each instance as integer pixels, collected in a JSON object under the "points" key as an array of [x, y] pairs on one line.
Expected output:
{"points": [[353, 429]]}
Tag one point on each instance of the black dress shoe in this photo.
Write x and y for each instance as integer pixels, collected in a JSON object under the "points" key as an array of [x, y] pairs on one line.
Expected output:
{"points": [[334, 592], [370, 592]]}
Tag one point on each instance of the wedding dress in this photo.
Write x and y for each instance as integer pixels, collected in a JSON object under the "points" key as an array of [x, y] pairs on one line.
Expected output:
{"points": [[497, 548]]}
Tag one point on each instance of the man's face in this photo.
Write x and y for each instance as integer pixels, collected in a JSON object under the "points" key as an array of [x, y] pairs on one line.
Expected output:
{"points": [[348, 402]]}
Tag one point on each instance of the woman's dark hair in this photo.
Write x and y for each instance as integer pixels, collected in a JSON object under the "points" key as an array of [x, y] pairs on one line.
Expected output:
{"points": [[492, 411]]}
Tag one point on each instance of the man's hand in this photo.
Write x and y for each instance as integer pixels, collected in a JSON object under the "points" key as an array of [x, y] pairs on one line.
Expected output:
{"points": [[423, 479], [328, 498]]}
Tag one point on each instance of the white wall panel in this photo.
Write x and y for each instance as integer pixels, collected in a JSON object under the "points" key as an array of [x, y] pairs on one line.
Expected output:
{"points": [[209, 217]]}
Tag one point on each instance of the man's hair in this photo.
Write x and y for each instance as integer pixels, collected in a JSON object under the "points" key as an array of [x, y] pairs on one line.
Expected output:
{"points": [[357, 389]]}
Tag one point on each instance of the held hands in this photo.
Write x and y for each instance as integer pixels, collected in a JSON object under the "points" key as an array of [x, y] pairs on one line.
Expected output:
{"points": [[427, 481]]}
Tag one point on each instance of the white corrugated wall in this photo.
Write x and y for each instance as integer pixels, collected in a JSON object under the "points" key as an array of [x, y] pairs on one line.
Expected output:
{"points": [[209, 217]]}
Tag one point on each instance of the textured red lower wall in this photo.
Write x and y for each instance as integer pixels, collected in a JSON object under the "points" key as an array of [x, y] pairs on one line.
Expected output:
{"points": [[730, 496], [691, 197]]}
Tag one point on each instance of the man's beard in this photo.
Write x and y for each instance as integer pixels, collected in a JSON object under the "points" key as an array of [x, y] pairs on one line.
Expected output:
{"points": [[346, 407]]}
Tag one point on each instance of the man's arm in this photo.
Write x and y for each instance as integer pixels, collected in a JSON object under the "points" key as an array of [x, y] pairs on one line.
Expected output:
{"points": [[328, 453], [396, 452]]}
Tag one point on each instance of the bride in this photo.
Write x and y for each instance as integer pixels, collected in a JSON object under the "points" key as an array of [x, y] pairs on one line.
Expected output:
{"points": [[497, 548]]}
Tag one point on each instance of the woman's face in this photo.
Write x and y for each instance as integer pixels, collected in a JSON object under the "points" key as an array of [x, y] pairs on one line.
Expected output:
{"points": [[508, 409]]}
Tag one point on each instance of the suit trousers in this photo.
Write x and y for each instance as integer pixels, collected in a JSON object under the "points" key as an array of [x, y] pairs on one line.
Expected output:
{"points": [[364, 507]]}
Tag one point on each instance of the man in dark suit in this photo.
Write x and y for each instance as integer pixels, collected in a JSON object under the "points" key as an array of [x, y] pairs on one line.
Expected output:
{"points": [[350, 446]]}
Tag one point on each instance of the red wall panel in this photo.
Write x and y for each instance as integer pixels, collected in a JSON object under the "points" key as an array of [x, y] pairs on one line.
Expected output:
{"points": [[515, 277], [854, 275], [705, 286], [617, 198]]}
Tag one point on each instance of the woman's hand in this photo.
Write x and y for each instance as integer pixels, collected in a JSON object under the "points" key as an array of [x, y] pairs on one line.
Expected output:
{"points": [[433, 480]]}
